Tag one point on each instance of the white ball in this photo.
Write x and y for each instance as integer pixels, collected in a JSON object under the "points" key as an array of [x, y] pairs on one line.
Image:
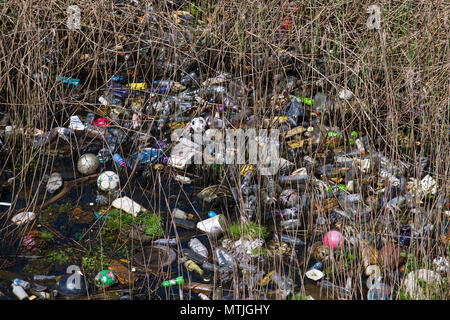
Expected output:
{"points": [[198, 124], [108, 181], [88, 163]]}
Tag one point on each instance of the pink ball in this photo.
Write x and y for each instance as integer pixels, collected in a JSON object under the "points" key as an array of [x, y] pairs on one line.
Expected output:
{"points": [[333, 239]]}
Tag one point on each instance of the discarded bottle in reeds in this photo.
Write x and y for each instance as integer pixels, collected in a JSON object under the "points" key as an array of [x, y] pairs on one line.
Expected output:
{"points": [[173, 282]]}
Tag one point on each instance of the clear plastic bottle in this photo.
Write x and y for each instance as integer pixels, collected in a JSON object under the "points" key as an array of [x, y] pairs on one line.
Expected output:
{"points": [[223, 257], [198, 247]]}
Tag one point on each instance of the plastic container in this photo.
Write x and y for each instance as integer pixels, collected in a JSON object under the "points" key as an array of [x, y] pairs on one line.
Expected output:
{"points": [[173, 282], [380, 291], [24, 284], [315, 274], [198, 247], [212, 225], [128, 205], [23, 217], [19, 292], [179, 214]]}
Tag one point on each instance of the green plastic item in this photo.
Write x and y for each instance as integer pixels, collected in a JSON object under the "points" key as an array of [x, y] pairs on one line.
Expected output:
{"points": [[307, 101], [168, 283], [353, 135], [333, 134], [105, 279]]}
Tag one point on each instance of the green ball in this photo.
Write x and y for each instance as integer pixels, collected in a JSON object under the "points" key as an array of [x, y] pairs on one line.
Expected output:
{"points": [[105, 279]]}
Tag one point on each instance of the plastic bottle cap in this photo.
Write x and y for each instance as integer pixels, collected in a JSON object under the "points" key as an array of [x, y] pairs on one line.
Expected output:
{"points": [[212, 214]]}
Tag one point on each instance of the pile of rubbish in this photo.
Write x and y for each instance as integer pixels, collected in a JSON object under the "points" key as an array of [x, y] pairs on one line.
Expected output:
{"points": [[212, 193]]}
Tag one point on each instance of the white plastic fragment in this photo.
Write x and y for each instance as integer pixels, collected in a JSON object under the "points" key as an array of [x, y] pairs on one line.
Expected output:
{"points": [[441, 264], [364, 164], [373, 269], [284, 165], [210, 225], [182, 153], [413, 287], [23, 217], [183, 179], [128, 205], [393, 180], [314, 274], [299, 172], [428, 185], [76, 124], [247, 246], [222, 77], [345, 95], [103, 101], [54, 182]]}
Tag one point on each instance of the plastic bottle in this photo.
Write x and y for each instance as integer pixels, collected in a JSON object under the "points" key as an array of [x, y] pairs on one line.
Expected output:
{"points": [[203, 296], [191, 79], [198, 247], [119, 160], [333, 287], [170, 242], [223, 257], [173, 282], [110, 100], [292, 224], [179, 214], [193, 255], [397, 201], [296, 112], [218, 293], [144, 156], [186, 224], [89, 119], [43, 277], [192, 266], [284, 283], [19, 292], [246, 180], [117, 89], [24, 284], [208, 266], [295, 241], [299, 178], [166, 110]]}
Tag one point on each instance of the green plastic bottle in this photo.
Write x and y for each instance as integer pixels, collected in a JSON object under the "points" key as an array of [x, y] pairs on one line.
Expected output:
{"points": [[172, 282]]}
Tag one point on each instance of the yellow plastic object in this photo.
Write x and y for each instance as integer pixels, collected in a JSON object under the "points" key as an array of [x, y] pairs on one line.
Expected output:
{"points": [[177, 124], [137, 85], [245, 169], [265, 281], [192, 266]]}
